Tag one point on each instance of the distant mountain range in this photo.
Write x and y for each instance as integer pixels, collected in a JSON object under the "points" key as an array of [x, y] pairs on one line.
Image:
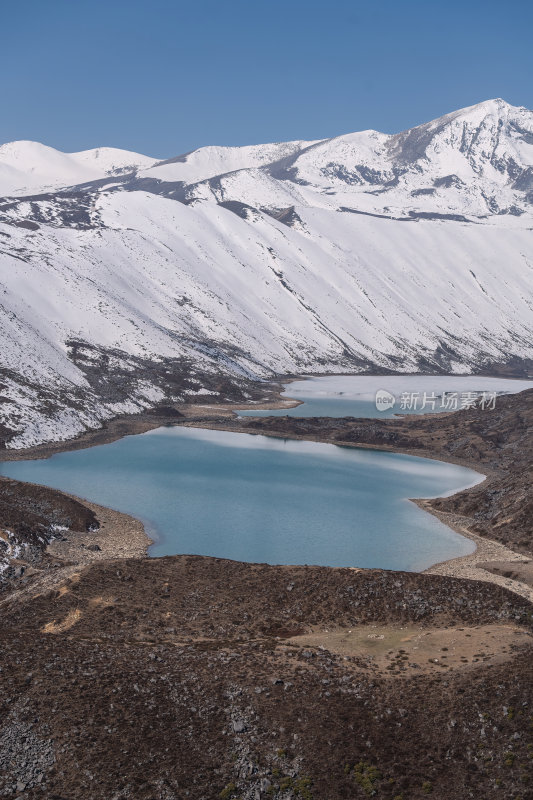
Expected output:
{"points": [[127, 281]]}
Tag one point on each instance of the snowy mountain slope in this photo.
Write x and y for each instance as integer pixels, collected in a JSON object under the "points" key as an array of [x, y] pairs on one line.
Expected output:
{"points": [[120, 291], [208, 162]]}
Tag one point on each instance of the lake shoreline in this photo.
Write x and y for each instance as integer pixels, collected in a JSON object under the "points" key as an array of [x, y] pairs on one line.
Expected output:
{"points": [[122, 536], [134, 424], [460, 566]]}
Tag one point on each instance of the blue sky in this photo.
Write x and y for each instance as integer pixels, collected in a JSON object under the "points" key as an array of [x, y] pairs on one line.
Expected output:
{"points": [[164, 77]]}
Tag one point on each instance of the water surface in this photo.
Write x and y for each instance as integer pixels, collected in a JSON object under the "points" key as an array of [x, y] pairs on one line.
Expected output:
{"points": [[259, 499], [354, 395]]}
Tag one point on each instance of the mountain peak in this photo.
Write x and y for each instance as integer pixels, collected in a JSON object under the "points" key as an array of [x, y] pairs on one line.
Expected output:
{"points": [[495, 107], [493, 102]]}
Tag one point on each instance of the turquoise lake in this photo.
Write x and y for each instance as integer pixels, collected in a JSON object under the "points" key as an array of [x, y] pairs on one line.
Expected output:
{"points": [[259, 499]]}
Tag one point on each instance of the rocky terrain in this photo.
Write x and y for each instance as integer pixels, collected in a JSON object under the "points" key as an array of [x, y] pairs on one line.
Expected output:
{"points": [[30, 518], [188, 677]]}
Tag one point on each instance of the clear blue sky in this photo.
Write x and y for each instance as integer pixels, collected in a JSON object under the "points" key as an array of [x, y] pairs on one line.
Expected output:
{"points": [[164, 77]]}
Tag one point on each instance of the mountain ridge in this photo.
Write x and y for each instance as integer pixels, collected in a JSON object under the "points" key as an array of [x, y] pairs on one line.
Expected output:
{"points": [[141, 279]]}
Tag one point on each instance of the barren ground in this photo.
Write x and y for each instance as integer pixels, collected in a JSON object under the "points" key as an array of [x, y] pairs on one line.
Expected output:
{"points": [[187, 677]]}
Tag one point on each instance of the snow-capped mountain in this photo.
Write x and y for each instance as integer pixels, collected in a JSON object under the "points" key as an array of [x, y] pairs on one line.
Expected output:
{"points": [[30, 167], [125, 280]]}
